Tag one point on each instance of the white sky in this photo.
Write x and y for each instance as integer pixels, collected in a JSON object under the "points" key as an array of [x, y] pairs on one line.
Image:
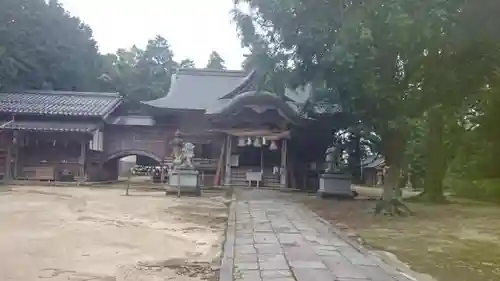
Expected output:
{"points": [[194, 28]]}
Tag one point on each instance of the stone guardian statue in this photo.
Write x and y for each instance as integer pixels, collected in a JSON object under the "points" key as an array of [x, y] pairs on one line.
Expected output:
{"points": [[177, 143], [332, 158], [188, 155]]}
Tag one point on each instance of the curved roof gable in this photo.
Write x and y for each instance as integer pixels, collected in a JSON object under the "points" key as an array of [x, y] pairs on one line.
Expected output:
{"points": [[200, 89], [259, 98], [247, 85]]}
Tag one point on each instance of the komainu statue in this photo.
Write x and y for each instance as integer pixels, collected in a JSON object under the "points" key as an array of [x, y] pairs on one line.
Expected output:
{"points": [[188, 155], [182, 152], [177, 143], [333, 155]]}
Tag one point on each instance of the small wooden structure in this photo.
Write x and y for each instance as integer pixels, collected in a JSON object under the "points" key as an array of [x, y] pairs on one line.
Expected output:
{"points": [[48, 135], [373, 170]]}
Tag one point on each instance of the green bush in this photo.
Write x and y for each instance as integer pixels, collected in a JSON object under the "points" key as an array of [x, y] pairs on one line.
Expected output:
{"points": [[485, 190]]}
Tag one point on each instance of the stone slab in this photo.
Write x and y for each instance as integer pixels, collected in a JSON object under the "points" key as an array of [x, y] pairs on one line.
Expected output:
{"points": [[308, 274], [272, 274], [277, 240]]}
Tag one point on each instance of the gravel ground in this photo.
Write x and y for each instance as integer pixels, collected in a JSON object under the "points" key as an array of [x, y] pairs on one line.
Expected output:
{"points": [[71, 233]]}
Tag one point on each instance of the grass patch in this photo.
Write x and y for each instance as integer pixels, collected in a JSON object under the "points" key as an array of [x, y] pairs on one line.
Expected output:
{"points": [[453, 242]]}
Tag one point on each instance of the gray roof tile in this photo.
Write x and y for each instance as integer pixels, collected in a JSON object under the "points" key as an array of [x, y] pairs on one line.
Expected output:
{"points": [[59, 103], [263, 98], [214, 90], [48, 126], [373, 161], [199, 89]]}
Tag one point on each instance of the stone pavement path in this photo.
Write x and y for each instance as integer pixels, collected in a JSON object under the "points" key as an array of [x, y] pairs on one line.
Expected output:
{"points": [[278, 240]]}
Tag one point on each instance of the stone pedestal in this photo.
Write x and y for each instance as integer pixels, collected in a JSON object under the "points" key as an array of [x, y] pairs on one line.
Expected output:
{"points": [[186, 180], [335, 185]]}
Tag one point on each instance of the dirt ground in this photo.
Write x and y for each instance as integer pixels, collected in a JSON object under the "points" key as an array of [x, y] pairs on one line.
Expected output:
{"points": [[77, 233], [454, 242]]}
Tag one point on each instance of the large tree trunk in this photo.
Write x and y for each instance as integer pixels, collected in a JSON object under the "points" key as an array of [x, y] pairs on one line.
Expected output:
{"points": [[355, 160], [391, 182], [390, 202], [437, 162]]}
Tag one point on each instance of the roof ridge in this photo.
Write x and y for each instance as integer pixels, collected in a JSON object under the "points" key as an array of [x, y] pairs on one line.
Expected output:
{"points": [[211, 72], [70, 93], [245, 86]]}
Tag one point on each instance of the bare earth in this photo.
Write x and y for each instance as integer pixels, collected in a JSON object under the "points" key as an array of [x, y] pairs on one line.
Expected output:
{"points": [[75, 233]]}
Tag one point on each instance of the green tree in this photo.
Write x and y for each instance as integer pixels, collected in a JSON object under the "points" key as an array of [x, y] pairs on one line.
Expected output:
{"points": [[139, 74], [215, 61], [41, 44], [187, 63], [384, 62]]}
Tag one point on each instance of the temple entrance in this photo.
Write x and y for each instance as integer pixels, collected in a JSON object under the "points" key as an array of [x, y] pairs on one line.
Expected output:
{"points": [[261, 162], [249, 156], [257, 160], [261, 157], [136, 165]]}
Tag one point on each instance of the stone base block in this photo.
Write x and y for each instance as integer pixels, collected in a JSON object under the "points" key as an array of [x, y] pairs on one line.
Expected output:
{"points": [[185, 180], [335, 186]]}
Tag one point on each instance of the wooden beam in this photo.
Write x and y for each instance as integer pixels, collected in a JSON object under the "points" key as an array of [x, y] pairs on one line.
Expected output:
{"points": [[220, 165], [268, 134], [8, 166], [284, 160], [15, 136], [227, 177], [7, 123], [82, 158]]}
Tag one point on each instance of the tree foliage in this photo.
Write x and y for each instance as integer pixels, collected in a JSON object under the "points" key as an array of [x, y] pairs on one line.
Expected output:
{"points": [[215, 61], [43, 47], [187, 63], [41, 44], [389, 64], [140, 74]]}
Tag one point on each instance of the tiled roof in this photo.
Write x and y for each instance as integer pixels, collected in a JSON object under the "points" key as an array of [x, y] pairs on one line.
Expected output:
{"points": [[199, 89], [261, 98], [213, 90], [373, 161], [48, 126], [59, 103]]}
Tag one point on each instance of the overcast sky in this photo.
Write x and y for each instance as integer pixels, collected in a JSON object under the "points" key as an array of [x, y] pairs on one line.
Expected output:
{"points": [[194, 28]]}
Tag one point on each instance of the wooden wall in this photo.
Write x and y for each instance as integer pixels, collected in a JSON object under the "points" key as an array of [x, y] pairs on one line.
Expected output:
{"points": [[154, 141], [52, 152], [5, 143]]}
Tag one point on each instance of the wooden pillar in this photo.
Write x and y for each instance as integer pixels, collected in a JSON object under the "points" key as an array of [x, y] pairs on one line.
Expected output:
{"points": [[220, 165], [284, 172], [162, 170], [81, 160], [15, 144], [227, 170], [262, 159], [163, 163], [8, 160]]}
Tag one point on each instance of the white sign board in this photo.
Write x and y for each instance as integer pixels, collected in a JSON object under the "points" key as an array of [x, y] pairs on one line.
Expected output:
{"points": [[235, 160], [254, 176]]}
